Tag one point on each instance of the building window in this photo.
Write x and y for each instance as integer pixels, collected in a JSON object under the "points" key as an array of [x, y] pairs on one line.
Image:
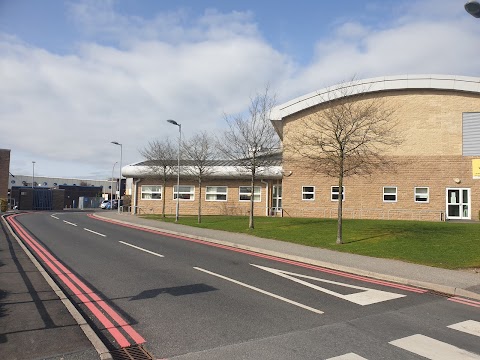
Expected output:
{"points": [[308, 192], [245, 193], [151, 192], [422, 194], [335, 193], [389, 194], [186, 192], [216, 193]]}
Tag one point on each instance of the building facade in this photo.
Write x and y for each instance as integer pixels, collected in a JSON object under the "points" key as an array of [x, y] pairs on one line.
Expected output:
{"points": [[434, 173], [4, 174], [435, 177]]}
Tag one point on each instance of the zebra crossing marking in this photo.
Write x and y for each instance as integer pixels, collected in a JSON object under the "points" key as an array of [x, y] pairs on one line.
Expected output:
{"points": [[470, 327]]}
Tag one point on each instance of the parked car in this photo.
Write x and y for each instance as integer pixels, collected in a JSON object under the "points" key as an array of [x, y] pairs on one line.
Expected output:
{"points": [[104, 204]]}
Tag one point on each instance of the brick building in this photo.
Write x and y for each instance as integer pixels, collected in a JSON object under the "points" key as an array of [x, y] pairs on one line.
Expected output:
{"points": [[437, 176], [4, 172]]}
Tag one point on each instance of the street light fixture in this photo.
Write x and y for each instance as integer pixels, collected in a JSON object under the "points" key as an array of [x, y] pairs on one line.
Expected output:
{"points": [[178, 165], [33, 174], [111, 187], [120, 175], [473, 8]]}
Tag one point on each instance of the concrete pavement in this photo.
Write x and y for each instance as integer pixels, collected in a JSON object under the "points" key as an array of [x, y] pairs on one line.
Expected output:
{"points": [[35, 323]]}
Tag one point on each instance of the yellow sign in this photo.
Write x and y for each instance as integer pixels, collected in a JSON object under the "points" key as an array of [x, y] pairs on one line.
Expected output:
{"points": [[476, 168]]}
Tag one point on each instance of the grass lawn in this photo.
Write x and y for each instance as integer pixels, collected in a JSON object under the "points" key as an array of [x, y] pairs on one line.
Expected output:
{"points": [[441, 244]]}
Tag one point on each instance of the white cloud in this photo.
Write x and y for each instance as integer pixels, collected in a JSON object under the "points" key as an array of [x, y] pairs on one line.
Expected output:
{"points": [[131, 74]]}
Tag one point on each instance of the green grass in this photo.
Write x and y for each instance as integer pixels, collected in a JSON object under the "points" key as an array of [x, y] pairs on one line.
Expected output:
{"points": [[441, 244]]}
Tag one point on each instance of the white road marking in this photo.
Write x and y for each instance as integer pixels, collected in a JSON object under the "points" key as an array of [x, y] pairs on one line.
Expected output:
{"points": [[349, 356], [262, 291], [433, 349], [69, 223], [53, 216], [142, 249], [469, 327], [94, 232], [366, 297]]}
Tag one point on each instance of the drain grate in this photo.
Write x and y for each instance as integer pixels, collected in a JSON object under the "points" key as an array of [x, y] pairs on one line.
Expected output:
{"points": [[135, 352]]}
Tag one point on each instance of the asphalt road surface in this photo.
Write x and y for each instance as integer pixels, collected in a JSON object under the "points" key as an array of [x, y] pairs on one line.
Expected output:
{"points": [[186, 299]]}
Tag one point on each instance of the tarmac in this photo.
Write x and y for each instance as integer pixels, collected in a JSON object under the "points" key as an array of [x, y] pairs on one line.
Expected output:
{"points": [[35, 323]]}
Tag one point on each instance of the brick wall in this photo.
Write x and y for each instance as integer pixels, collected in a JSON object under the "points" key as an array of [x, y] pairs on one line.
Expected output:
{"points": [[4, 172], [232, 206], [430, 156]]}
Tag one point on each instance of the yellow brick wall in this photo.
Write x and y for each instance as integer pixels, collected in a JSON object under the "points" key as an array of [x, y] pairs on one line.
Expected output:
{"points": [[187, 207], [430, 156]]}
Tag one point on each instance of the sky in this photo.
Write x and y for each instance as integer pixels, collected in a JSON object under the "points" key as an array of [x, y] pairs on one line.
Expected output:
{"points": [[77, 75]]}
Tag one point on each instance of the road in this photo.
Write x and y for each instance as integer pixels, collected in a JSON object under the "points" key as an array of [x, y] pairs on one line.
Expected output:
{"points": [[186, 299]]}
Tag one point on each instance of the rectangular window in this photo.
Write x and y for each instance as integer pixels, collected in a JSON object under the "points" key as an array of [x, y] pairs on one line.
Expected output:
{"points": [[186, 192], [151, 192], [245, 193], [389, 194], [422, 194], [335, 193], [308, 192], [216, 193]]}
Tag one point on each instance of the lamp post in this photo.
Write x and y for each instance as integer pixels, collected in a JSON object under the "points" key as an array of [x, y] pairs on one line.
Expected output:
{"points": [[178, 165], [111, 187], [33, 174], [473, 8], [120, 175]]}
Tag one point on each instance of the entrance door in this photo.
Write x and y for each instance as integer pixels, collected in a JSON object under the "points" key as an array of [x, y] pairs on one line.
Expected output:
{"points": [[277, 198], [458, 203]]}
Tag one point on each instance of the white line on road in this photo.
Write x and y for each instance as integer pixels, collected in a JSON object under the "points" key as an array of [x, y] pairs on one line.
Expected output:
{"points": [[53, 216], [366, 297], [469, 327], [349, 356], [94, 232], [433, 349], [69, 223], [142, 249], [261, 291]]}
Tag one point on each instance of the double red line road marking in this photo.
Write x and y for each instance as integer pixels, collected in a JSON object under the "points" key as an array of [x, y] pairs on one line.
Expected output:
{"points": [[103, 312]]}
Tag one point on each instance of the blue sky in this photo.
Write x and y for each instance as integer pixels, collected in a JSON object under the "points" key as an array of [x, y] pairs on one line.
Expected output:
{"points": [[76, 75]]}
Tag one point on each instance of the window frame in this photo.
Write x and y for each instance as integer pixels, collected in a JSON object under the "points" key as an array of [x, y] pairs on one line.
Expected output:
{"points": [[216, 193], [427, 195], [142, 192], [191, 192], [312, 193], [390, 194], [332, 193], [249, 194]]}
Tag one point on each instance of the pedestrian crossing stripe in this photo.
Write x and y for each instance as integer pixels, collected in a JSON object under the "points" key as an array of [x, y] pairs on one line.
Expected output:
{"points": [[366, 296], [470, 327], [433, 349]]}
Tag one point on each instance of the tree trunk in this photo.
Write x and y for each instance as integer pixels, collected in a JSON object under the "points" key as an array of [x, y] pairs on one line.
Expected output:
{"points": [[252, 198], [200, 200], [340, 205]]}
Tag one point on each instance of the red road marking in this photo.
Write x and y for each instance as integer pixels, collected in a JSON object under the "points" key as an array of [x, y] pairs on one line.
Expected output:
{"points": [[465, 301], [270, 257], [66, 276]]}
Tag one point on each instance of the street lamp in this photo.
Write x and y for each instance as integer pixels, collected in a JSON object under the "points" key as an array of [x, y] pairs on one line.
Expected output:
{"points": [[111, 187], [178, 165], [33, 174], [120, 176], [473, 8]]}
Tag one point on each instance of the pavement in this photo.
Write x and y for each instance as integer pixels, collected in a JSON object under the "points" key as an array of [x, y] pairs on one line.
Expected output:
{"points": [[32, 313]]}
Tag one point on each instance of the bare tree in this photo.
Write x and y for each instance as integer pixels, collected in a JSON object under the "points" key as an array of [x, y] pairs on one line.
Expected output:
{"points": [[199, 150], [160, 155], [347, 135], [251, 141]]}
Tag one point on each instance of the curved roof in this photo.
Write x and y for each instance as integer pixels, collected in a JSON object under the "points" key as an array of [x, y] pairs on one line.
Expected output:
{"points": [[384, 83]]}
